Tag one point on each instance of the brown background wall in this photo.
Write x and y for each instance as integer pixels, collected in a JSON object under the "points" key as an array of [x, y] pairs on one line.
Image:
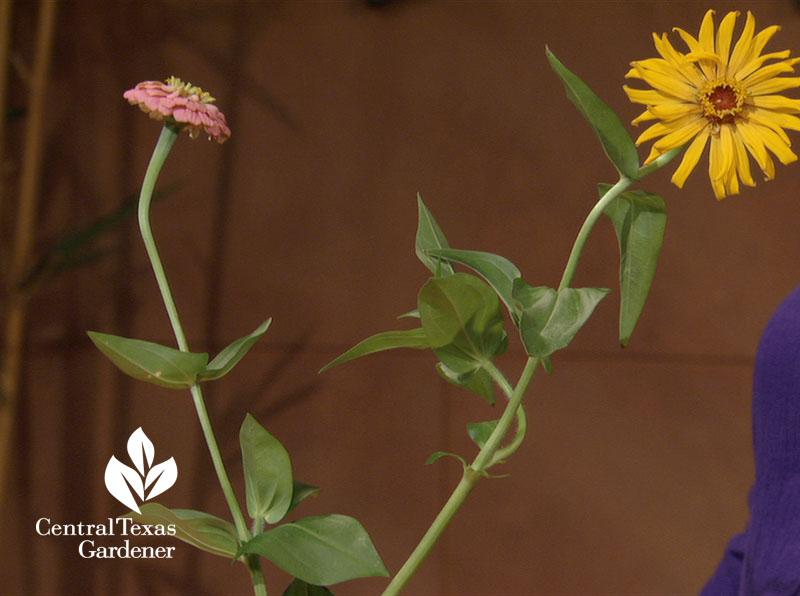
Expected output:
{"points": [[638, 462]]}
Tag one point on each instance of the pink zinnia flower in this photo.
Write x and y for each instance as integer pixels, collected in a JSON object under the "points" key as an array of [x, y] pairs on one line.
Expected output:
{"points": [[181, 103]]}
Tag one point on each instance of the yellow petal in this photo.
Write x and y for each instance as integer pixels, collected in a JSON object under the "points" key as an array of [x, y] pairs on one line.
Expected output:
{"points": [[776, 144], [742, 49], [668, 85], [654, 153], [724, 36], [656, 130], [769, 72], [691, 127], [751, 66], [765, 118], [760, 40], [646, 96], [723, 153], [715, 166], [690, 158], [774, 85], [676, 127], [704, 57], [778, 118], [776, 102], [742, 161], [663, 67], [644, 116], [679, 61], [670, 110], [757, 149], [706, 36]]}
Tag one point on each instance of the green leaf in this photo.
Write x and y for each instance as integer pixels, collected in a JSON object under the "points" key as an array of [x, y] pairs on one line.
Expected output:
{"points": [[154, 363], [222, 364], [202, 530], [462, 310], [301, 492], [430, 236], [412, 338], [267, 473], [476, 380], [462, 318], [640, 219], [321, 550], [549, 319], [616, 141], [481, 431], [497, 270], [300, 588], [440, 454]]}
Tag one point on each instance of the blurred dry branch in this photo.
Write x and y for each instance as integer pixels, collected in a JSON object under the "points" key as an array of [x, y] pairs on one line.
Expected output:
{"points": [[24, 228]]}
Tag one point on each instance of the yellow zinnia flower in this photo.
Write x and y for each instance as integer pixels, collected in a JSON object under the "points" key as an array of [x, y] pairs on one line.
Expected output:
{"points": [[727, 96]]}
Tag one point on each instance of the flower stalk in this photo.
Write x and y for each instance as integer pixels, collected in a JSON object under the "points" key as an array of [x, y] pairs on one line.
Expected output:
{"points": [[163, 147]]}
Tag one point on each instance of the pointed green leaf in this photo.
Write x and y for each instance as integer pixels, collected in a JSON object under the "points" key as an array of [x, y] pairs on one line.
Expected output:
{"points": [[412, 338], [462, 310], [616, 141], [300, 588], [430, 236], [301, 492], [549, 319], [202, 530], [462, 318], [224, 362], [481, 431], [476, 380], [439, 454], [497, 270], [321, 550], [640, 219], [267, 473], [154, 363]]}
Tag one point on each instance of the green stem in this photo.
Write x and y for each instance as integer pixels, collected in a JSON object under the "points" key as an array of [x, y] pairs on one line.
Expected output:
{"points": [[257, 575], [586, 229], [522, 419], [165, 142], [472, 474]]}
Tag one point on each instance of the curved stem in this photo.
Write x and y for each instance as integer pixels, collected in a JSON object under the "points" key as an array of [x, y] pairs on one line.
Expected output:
{"points": [[165, 142], [472, 474], [164, 145], [586, 229], [504, 453]]}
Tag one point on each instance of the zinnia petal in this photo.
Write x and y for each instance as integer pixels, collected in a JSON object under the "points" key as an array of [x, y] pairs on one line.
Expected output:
{"points": [[690, 159], [743, 47], [724, 38]]}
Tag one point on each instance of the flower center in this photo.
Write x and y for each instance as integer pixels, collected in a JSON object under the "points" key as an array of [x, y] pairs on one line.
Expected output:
{"points": [[186, 89], [722, 100]]}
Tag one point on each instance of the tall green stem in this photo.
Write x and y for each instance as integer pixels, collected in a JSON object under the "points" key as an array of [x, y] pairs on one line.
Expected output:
{"points": [[165, 142], [472, 474]]}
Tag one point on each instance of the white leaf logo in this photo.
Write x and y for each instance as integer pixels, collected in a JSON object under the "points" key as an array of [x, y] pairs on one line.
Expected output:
{"points": [[123, 482]]}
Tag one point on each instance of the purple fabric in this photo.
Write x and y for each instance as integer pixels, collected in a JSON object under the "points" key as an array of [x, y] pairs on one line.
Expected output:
{"points": [[765, 560]]}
